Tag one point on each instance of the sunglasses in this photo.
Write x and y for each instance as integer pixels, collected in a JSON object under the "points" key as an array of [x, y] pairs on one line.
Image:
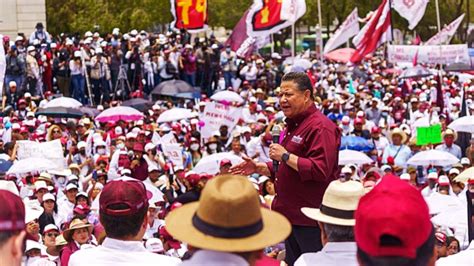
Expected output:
{"points": [[56, 131], [52, 234]]}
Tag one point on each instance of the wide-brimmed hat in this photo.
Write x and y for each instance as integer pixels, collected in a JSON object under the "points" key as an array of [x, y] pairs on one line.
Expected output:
{"points": [[76, 224], [58, 245], [228, 218], [451, 132], [398, 131], [339, 203]]}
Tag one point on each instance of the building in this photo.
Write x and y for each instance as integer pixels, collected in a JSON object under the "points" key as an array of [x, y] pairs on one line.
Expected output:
{"points": [[21, 16]]}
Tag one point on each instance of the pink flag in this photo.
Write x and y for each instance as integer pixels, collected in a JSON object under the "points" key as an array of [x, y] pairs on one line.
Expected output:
{"points": [[445, 35], [374, 33]]}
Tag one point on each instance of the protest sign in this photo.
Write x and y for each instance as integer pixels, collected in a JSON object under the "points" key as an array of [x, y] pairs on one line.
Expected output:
{"points": [[51, 150], [428, 54], [173, 152], [428, 135], [215, 115]]}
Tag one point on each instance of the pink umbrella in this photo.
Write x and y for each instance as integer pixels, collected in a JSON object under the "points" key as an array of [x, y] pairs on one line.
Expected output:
{"points": [[342, 55], [115, 114]]}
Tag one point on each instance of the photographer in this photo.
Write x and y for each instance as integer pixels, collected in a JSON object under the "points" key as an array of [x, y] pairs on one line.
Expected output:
{"points": [[15, 68], [100, 76], [61, 72], [77, 77]]}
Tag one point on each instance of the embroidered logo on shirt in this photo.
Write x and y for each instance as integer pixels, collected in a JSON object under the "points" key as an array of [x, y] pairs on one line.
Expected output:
{"points": [[297, 139]]}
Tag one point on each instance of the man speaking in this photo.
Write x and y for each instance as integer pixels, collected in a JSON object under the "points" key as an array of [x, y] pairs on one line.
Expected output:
{"points": [[308, 162]]}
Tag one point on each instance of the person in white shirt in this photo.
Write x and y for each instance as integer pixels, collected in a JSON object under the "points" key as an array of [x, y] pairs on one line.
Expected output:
{"points": [[123, 213], [234, 235], [336, 220], [463, 258], [66, 207], [449, 137]]}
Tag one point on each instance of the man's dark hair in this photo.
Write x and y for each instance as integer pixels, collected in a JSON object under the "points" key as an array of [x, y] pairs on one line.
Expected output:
{"points": [[339, 233], [6, 235], [423, 254], [301, 80], [120, 227]]}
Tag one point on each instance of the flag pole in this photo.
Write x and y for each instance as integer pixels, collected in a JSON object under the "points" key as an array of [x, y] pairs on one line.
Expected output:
{"points": [[437, 16], [391, 20], [293, 46], [320, 21]]}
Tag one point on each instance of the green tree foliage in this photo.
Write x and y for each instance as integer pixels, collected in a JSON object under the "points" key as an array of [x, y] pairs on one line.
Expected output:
{"points": [[82, 15]]}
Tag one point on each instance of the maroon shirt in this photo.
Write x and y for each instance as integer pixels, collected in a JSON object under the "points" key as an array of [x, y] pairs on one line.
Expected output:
{"points": [[315, 140]]}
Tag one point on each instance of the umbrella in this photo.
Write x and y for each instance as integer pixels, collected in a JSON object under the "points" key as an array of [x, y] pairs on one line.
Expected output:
{"points": [[63, 112], [229, 96], [92, 112], [465, 175], [31, 165], [115, 114], [438, 203], [302, 63], [463, 124], [455, 219], [138, 103], [211, 164], [176, 88], [64, 102], [433, 157], [156, 194], [458, 67], [5, 165], [356, 143], [342, 55], [415, 72], [355, 157], [175, 114]]}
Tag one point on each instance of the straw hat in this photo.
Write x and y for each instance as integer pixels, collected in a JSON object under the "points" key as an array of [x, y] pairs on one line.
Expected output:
{"points": [[58, 245], [76, 224], [228, 218], [398, 131], [451, 132], [339, 203]]}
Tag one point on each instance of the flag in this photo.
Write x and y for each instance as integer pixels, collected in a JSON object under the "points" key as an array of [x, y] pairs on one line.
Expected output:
{"points": [[411, 10], [416, 40], [445, 35], [415, 59], [270, 16], [439, 93], [349, 28], [190, 15], [243, 44], [373, 34]]}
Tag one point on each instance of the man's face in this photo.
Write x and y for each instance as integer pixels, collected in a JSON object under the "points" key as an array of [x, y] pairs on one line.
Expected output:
{"points": [[71, 195], [225, 169], [449, 139], [292, 100], [130, 142], [397, 139], [33, 227], [154, 175], [50, 238]]}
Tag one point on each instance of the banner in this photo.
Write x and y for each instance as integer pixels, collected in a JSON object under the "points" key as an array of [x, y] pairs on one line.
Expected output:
{"points": [[349, 28], [428, 54], [3, 65], [51, 150], [174, 153], [411, 10], [241, 43], [215, 115], [190, 15], [270, 16], [428, 135], [445, 35], [374, 33]]}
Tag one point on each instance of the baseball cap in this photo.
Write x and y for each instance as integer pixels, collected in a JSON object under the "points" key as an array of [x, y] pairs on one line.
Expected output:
{"points": [[385, 167], [454, 171], [154, 245], [12, 212], [443, 181], [152, 168], [358, 121], [225, 162], [124, 191], [433, 175], [441, 237], [396, 208], [48, 196], [71, 186], [50, 227], [465, 160]]}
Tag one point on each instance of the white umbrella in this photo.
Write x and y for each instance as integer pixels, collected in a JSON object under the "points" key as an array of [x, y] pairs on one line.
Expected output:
{"points": [[463, 124], [453, 218], [211, 164], [438, 203], [63, 102], [355, 157], [465, 175], [31, 165], [156, 194], [229, 96], [175, 114], [433, 157]]}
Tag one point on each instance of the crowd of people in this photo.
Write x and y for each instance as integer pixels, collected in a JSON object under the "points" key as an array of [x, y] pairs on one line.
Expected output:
{"points": [[120, 199]]}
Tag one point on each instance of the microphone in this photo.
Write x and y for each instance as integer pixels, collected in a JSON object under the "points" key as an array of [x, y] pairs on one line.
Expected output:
{"points": [[276, 139]]}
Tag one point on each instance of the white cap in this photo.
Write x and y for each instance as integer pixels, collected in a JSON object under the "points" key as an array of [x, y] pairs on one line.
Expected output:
{"points": [[385, 167], [405, 177], [48, 196], [131, 135], [443, 181], [40, 185], [245, 129], [72, 177], [194, 121], [77, 54], [30, 114], [253, 99], [50, 227], [10, 186], [125, 171], [27, 95], [152, 168], [88, 34], [465, 160], [32, 214], [214, 46], [346, 170], [18, 39], [30, 48], [188, 46], [71, 186], [12, 83], [360, 114], [118, 130], [134, 32], [96, 34], [156, 107], [262, 179], [154, 245], [30, 245], [98, 50], [276, 56], [69, 42], [149, 146], [83, 194], [16, 126], [433, 175], [81, 144], [164, 127], [454, 171], [53, 45]]}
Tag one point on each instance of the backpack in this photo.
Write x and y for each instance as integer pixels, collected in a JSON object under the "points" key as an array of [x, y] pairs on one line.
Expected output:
{"points": [[170, 69]]}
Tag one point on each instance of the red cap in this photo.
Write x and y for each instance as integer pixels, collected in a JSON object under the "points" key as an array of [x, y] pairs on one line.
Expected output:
{"points": [[225, 162], [123, 191], [376, 130], [396, 208], [12, 212], [168, 238], [470, 181], [193, 179], [138, 147], [47, 93], [358, 120], [441, 237]]}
